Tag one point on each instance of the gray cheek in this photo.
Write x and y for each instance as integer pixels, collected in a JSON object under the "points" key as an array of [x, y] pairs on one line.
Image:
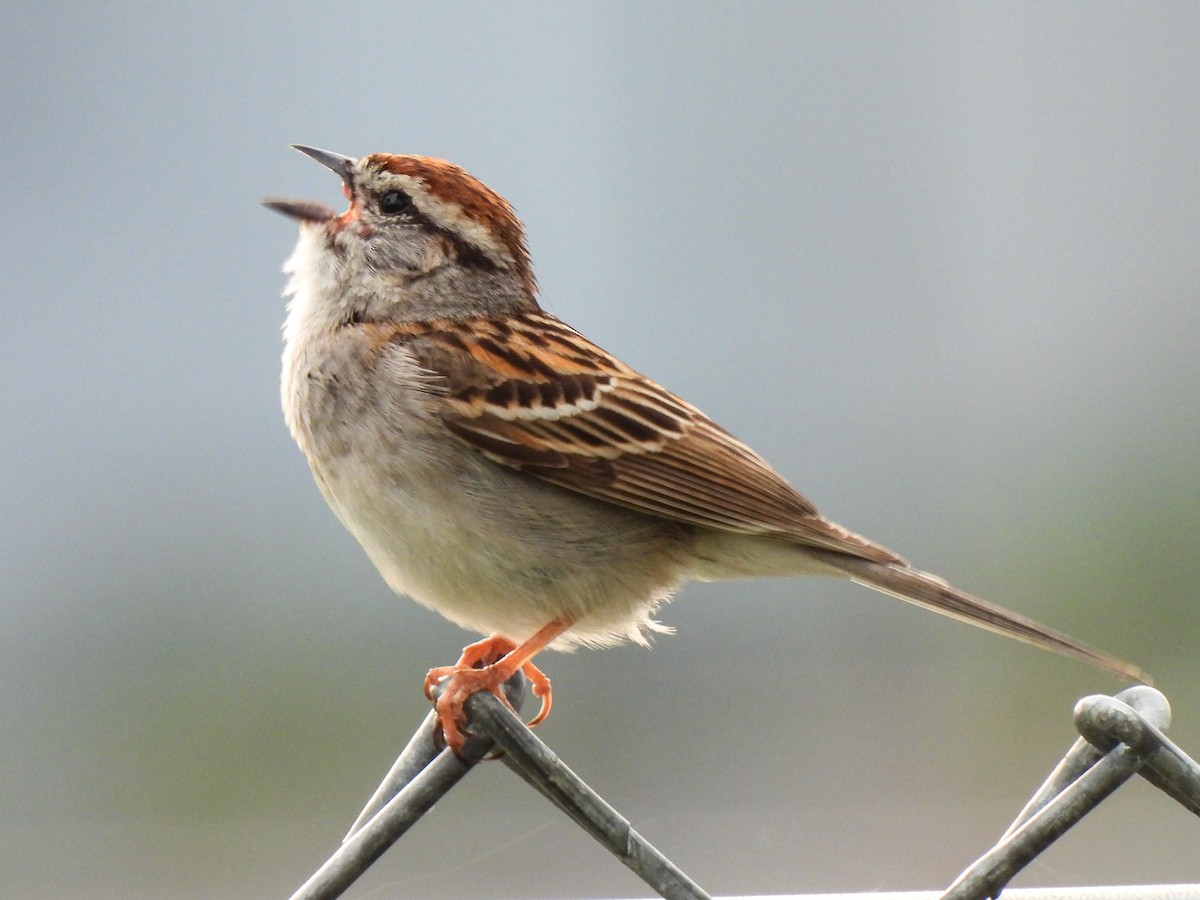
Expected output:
{"points": [[387, 251], [404, 251]]}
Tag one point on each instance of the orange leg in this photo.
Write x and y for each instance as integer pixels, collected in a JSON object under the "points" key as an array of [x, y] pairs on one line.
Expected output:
{"points": [[485, 666]]}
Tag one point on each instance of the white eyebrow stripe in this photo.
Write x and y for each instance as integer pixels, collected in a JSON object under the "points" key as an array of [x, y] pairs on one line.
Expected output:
{"points": [[452, 218]]}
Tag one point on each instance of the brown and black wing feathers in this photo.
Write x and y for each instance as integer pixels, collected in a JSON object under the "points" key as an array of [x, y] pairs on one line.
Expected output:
{"points": [[534, 395], [543, 399]]}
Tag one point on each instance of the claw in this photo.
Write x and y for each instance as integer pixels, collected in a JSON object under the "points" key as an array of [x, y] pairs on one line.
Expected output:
{"points": [[485, 666]]}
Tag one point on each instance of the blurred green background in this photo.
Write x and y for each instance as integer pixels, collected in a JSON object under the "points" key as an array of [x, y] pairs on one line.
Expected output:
{"points": [[938, 262]]}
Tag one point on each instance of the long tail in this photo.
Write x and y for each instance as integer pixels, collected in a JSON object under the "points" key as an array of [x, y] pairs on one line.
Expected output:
{"points": [[931, 592]]}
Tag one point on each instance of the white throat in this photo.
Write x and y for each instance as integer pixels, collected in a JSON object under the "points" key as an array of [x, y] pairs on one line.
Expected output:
{"points": [[317, 282]]}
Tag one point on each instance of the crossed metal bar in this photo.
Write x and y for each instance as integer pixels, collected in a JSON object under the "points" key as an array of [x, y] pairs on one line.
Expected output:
{"points": [[1121, 736]]}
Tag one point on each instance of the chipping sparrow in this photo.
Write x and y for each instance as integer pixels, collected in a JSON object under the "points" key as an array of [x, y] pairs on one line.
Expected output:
{"points": [[500, 468]]}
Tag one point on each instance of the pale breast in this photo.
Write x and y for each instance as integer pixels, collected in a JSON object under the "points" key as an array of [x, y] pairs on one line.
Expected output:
{"points": [[490, 548]]}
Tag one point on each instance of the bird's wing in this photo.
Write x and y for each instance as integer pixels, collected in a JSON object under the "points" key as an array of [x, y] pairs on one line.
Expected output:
{"points": [[532, 394]]}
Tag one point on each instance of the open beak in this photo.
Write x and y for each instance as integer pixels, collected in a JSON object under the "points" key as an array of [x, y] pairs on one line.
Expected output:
{"points": [[301, 210], [311, 210], [343, 165]]}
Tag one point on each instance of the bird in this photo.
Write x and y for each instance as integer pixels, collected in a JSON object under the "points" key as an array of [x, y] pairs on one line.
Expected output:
{"points": [[503, 470]]}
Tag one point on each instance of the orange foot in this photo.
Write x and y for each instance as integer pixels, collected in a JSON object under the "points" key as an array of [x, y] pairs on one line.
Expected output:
{"points": [[485, 666]]}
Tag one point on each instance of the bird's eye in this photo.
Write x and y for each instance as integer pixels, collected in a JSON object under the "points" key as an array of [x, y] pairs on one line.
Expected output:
{"points": [[395, 203]]}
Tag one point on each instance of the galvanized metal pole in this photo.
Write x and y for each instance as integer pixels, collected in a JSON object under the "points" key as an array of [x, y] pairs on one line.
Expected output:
{"points": [[530, 758], [1120, 736]]}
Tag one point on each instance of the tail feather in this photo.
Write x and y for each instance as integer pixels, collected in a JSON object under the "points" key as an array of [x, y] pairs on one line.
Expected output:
{"points": [[931, 592]]}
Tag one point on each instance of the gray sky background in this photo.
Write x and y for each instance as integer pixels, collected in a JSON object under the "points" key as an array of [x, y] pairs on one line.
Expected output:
{"points": [[937, 262]]}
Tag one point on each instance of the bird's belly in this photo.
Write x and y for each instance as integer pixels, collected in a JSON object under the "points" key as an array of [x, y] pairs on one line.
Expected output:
{"points": [[460, 538]]}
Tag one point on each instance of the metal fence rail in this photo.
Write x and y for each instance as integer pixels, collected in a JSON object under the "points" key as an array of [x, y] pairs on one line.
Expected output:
{"points": [[1121, 892], [1120, 736]]}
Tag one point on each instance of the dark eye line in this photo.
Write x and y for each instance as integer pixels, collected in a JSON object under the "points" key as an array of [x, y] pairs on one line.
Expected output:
{"points": [[471, 256]]}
